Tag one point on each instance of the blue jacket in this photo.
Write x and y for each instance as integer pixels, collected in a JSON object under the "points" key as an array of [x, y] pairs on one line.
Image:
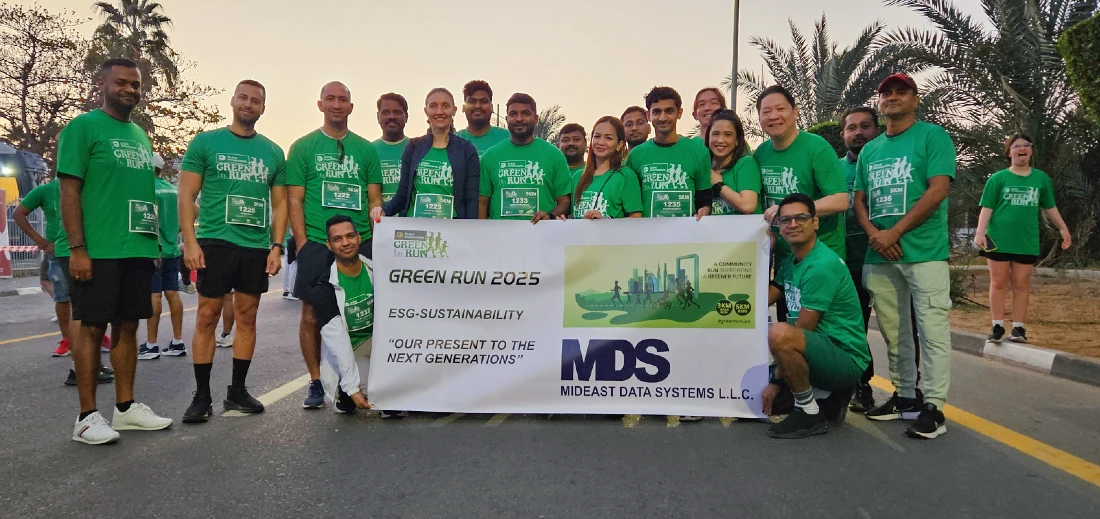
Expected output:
{"points": [[465, 167]]}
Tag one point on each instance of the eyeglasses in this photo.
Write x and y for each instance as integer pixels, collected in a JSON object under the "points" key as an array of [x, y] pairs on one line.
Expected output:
{"points": [[1020, 145], [800, 219]]}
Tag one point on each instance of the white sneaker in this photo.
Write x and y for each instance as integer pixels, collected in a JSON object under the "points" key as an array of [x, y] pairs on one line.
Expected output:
{"points": [[94, 430], [189, 289], [224, 340], [53, 319], [139, 418]]}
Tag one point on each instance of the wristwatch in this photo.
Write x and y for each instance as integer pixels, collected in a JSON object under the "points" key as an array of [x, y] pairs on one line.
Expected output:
{"points": [[277, 244]]}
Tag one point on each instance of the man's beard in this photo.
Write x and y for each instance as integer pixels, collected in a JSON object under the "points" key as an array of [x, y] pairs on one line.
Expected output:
{"points": [[522, 136], [635, 143], [117, 104], [246, 122], [573, 154]]}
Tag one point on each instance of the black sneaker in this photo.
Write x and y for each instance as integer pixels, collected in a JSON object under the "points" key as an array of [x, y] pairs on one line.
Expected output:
{"points": [[344, 403], [863, 400], [929, 424], [1019, 334], [316, 397], [896, 408], [394, 414], [997, 334], [175, 350], [835, 407], [200, 409], [783, 403], [106, 376], [238, 399], [798, 424]]}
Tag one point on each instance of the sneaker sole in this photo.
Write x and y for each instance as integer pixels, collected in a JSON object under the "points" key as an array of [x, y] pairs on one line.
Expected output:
{"points": [[820, 428], [201, 418], [902, 415], [229, 406], [148, 356], [174, 353], [927, 436], [140, 428], [93, 442], [66, 354], [995, 341], [311, 406]]}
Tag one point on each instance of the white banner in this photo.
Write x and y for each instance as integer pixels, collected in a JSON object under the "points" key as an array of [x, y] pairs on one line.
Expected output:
{"points": [[663, 316]]}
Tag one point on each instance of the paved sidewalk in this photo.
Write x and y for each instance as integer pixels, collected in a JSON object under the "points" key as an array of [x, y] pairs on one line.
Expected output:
{"points": [[26, 285]]}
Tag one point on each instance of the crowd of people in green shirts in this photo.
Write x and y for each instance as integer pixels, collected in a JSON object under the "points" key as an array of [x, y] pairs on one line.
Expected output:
{"points": [[866, 230]]}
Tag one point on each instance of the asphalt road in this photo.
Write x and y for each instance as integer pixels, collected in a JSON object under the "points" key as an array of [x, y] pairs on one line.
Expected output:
{"points": [[288, 462]]}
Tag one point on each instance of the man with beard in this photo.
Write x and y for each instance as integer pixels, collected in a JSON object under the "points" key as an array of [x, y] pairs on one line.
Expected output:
{"points": [[105, 163], [674, 172], [242, 177], [707, 101], [525, 177], [573, 141], [393, 113], [330, 171], [477, 104], [902, 183], [636, 124]]}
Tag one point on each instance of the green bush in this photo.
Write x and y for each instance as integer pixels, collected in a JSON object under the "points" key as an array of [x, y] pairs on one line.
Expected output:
{"points": [[1080, 47], [830, 130]]}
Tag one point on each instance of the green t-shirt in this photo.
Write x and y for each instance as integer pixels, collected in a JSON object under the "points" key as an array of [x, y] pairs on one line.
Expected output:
{"points": [[614, 194], [1016, 202], [115, 161], [807, 166], [821, 282], [573, 172], [894, 173], [855, 238], [743, 176], [168, 217], [494, 136], [434, 186], [237, 176], [670, 175], [48, 197], [334, 187], [522, 180], [358, 305], [389, 156]]}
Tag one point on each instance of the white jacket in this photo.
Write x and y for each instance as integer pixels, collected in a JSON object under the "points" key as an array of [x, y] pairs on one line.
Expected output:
{"points": [[338, 356]]}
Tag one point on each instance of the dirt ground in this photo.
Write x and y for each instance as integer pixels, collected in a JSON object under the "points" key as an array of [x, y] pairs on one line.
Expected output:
{"points": [[1062, 314]]}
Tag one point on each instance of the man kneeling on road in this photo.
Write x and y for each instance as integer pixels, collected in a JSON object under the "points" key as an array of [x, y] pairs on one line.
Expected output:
{"points": [[344, 310], [822, 346]]}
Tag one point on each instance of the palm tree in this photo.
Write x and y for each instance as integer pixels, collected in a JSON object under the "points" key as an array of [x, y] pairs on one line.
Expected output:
{"points": [[550, 122], [136, 29], [825, 81], [1005, 76]]}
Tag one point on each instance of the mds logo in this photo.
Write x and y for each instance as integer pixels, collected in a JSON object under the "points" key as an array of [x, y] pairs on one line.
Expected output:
{"points": [[603, 358]]}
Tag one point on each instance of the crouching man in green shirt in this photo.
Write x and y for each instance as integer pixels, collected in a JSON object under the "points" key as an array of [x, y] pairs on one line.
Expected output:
{"points": [[343, 306], [822, 345]]}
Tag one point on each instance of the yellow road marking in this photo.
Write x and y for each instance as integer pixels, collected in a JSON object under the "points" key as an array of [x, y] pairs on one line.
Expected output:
{"points": [[1052, 456], [439, 422], [630, 420], [863, 424], [673, 421], [497, 419], [726, 421], [277, 394], [55, 334]]}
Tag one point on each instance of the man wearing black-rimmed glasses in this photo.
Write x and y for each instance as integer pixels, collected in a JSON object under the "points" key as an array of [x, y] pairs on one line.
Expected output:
{"points": [[331, 171], [822, 347]]}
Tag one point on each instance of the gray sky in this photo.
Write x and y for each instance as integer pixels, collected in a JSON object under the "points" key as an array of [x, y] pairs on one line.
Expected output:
{"points": [[593, 57]]}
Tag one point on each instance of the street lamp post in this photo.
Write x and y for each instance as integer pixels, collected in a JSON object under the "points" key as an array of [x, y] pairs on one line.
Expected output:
{"points": [[733, 75]]}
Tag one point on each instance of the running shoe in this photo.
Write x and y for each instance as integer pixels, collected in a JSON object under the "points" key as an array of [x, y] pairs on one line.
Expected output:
{"points": [[316, 397], [105, 346], [798, 424], [200, 409], [139, 417], [997, 334], [835, 406], [238, 399], [94, 430], [64, 348], [106, 376], [1019, 334], [863, 400], [175, 349], [146, 352], [225, 340], [897, 408], [929, 424], [691, 418]]}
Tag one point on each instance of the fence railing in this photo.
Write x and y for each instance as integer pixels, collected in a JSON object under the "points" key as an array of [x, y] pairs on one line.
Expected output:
{"points": [[24, 263]]}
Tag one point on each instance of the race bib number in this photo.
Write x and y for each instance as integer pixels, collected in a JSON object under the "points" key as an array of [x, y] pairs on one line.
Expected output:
{"points": [[245, 210], [339, 195], [143, 217], [359, 312], [887, 200], [433, 205], [522, 201], [668, 204]]}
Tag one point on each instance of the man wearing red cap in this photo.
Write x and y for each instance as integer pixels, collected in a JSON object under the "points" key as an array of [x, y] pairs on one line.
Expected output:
{"points": [[902, 181]]}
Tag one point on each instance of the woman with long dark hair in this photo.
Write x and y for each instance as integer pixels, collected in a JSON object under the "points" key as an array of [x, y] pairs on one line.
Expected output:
{"points": [[735, 174], [1008, 232], [605, 188], [440, 171]]}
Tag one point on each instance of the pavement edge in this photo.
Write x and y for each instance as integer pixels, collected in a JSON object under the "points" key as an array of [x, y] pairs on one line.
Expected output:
{"points": [[21, 291], [1043, 360]]}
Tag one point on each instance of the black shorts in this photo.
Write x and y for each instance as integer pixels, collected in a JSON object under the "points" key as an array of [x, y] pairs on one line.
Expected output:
{"points": [[118, 291], [1023, 259], [231, 267], [291, 250], [314, 262]]}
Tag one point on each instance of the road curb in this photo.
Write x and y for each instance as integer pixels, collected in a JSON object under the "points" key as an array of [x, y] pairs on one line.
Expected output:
{"points": [[21, 291], [1043, 360]]}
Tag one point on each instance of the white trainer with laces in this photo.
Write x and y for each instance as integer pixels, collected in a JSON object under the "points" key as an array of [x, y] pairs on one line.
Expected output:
{"points": [[94, 430], [224, 340], [139, 418]]}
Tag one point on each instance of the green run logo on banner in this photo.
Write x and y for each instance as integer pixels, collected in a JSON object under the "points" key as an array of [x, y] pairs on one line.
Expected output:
{"points": [[419, 244]]}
